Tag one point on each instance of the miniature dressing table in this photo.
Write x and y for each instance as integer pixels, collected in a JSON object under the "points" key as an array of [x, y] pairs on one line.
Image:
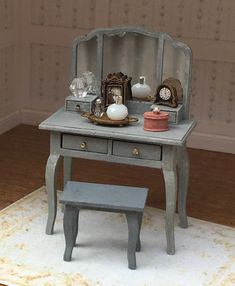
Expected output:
{"points": [[135, 52]]}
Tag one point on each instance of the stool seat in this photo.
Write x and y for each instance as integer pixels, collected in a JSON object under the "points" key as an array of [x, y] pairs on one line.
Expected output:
{"points": [[103, 197]]}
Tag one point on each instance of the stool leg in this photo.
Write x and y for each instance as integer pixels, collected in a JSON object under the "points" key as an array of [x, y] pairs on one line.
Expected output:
{"points": [[75, 228], [138, 245], [133, 232], [69, 222]]}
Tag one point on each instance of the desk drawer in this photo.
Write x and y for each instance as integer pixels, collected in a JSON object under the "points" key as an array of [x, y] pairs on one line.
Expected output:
{"points": [[137, 150], [85, 143]]}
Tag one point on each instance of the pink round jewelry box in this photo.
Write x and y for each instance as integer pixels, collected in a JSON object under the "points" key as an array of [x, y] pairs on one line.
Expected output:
{"points": [[156, 120]]}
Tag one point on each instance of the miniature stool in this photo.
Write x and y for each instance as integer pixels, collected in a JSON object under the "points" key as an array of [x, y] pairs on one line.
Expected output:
{"points": [[120, 199]]}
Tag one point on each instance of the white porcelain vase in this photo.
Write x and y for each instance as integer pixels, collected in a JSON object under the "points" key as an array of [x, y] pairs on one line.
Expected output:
{"points": [[117, 111], [141, 90]]}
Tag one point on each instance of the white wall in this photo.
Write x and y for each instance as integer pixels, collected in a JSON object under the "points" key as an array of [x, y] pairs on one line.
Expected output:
{"points": [[9, 111], [46, 30]]}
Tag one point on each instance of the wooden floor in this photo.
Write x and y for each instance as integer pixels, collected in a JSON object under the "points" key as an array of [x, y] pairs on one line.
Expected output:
{"points": [[24, 151]]}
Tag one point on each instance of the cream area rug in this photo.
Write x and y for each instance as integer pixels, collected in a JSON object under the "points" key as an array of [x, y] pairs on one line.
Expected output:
{"points": [[205, 252]]}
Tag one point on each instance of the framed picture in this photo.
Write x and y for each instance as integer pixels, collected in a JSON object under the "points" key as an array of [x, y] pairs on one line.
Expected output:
{"points": [[113, 90], [116, 84]]}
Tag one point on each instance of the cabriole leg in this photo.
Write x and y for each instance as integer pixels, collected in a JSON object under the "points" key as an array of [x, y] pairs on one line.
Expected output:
{"points": [[51, 173], [70, 229], [133, 232], [75, 228], [138, 245], [170, 177], [183, 170], [67, 169]]}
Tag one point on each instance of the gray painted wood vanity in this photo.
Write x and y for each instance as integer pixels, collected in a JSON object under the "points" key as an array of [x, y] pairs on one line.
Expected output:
{"points": [[73, 136]]}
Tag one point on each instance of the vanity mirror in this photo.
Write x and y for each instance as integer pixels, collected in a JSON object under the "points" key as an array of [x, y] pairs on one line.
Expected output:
{"points": [[135, 52]]}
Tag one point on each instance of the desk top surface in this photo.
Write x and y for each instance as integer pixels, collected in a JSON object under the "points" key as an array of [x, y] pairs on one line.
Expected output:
{"points": [[72, 122]]}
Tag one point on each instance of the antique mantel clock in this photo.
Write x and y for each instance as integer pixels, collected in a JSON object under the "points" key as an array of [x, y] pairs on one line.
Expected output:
{"points": [[169, 93], [166, 95]]}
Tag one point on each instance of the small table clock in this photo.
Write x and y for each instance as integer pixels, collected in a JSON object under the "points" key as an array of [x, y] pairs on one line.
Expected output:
{"points": [[169, 93], [166, 95]]}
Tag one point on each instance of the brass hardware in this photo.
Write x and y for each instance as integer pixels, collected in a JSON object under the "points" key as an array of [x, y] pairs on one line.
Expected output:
{"points": [[135, 152], [78, 107], [83, 145]]}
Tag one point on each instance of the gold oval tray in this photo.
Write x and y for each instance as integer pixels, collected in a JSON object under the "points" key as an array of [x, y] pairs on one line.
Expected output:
{"points": [[104, 120]]}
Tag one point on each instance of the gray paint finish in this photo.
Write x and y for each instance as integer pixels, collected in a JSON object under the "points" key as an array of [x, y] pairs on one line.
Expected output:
{"points": [[164, 150], [167, 159], [121, 199], [145, 151], [104, 196], [92, 144], [71, 122]]}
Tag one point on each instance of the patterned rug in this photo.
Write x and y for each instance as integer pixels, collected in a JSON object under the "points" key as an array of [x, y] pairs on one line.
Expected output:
{"points": [[205, 252]]}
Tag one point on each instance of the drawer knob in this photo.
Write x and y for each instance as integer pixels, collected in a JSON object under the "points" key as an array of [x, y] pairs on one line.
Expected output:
{"points": [[135, 152], [83, 145]]}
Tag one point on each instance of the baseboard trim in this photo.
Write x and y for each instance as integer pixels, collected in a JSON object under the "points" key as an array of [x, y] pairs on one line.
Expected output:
{"points": [[211, 142], [9, 121], [33, 117]]}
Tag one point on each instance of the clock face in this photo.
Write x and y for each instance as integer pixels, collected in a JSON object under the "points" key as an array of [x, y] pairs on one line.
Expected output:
{"points": [[165, 93]]}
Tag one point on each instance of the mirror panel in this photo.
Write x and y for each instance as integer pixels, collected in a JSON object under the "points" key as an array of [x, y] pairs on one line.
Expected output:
{"points": [[174, 63], [132, 54], [87, 56]]}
